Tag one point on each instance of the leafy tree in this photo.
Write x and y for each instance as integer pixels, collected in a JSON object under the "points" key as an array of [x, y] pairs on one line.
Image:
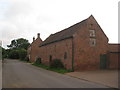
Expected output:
{"points": [[6, 53], [19, 43], [14, 54], [17, 49], [22, 54], [2, 52]]}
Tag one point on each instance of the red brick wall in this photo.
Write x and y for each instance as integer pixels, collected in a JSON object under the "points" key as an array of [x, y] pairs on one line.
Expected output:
{"points": [[35, 49], [57, 50], [87, 57], [114, 47], [114, 56], [113, 60]]}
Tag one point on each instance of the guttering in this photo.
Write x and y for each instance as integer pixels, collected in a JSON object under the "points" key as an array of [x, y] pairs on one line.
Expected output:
{"points": [[72, 55]]}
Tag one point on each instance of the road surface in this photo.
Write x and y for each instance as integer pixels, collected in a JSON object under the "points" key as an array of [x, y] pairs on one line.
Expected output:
{"points": [[17, 74]]}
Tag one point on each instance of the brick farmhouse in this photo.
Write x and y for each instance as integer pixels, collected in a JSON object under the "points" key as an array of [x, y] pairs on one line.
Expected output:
{"points": [[83, 46]]}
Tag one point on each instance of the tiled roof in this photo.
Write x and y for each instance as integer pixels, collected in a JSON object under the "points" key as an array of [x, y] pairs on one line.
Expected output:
{"points": [[64, 34]]}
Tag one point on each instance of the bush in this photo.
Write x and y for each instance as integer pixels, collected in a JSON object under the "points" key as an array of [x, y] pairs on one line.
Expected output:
{"points": [[27, 59], [22, 54], [38, 61], [56, 63], [14, 54]]}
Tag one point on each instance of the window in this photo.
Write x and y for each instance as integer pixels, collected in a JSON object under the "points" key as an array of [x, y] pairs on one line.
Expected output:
{"points": [[50, 58], [92, 42], [65, 55], [91, 25], [92, 33]]}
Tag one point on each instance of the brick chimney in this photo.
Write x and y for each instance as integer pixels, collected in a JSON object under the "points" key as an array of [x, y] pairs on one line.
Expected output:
{"points": [[38, 35], [33, 38]]}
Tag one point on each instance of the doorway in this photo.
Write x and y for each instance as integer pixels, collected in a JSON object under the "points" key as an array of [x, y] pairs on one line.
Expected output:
{"points": [[103, 61], [50, 58]]}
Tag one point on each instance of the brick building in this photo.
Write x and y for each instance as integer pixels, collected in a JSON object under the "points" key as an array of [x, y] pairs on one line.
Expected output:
{"points": [[33, 49], [83, 46], [114, 56]]}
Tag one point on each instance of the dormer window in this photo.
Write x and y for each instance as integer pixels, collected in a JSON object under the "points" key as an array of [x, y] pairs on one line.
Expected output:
{"points": [[92, 33]]}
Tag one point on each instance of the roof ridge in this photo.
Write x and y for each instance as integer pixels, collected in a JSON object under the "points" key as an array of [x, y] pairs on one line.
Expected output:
{"points": [[70, 26], [63, 34]]}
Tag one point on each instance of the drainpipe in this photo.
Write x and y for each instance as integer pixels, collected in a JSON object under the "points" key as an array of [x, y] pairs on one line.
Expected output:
{"points": [[72, 55]]}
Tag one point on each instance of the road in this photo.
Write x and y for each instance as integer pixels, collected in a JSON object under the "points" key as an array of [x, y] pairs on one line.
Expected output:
{"points": [[17, 74]]}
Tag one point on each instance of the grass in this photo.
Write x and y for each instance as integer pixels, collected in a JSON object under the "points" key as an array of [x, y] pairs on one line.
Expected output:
{"points": [[59, 70]]}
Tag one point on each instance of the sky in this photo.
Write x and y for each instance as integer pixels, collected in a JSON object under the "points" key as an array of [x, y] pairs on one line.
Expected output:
{"points": [[26, 18]]}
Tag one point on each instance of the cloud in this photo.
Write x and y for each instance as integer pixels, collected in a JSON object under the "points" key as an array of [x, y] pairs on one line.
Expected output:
{"points": [[12, 19], [26, 18]]}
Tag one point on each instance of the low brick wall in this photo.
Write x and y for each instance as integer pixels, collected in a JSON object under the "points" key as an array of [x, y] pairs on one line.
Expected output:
{"points": [[113, 58]]}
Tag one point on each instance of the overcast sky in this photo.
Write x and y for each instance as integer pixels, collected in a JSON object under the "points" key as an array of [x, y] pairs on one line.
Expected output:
{"points": [[26, 18]]}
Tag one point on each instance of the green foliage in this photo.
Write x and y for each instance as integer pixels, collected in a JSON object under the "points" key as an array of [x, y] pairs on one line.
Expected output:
{"points": [[42, 66], [17, 54], [59, 70], [2, 53], [14, 54], [27, 59], [6, 53], [56, 63], [38, 61], [19, 43], [22, 54], [17, 49]]}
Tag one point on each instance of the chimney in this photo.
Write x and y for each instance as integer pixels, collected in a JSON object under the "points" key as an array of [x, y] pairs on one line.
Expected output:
{"points": [[38, 35], [33, 38]]}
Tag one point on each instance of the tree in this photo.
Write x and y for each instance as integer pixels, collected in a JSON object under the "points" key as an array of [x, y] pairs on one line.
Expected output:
{"points": [[5, 53], [17, 48], [19, 44], [14, 54], [22, 54], [0, 53]]}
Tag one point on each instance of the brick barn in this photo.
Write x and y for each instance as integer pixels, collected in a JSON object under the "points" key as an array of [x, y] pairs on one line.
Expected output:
{"points": [[114, 56], [83, 46], [33, 49]]}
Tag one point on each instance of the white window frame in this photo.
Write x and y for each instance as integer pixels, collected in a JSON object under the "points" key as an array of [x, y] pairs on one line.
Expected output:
{"points": [[92, 42], [92, 33]]}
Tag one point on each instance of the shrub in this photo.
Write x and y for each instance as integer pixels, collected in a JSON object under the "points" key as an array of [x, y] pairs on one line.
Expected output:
{"points": [[22, 54], [38, 61], [27, 58], [56, 63], [13, 54]]}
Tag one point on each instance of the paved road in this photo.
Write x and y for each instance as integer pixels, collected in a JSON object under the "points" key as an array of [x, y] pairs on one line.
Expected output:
{"points": [[17, 74]]}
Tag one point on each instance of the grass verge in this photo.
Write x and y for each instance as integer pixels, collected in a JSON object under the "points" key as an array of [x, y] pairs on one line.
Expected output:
{"points": [[59, 70]]}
